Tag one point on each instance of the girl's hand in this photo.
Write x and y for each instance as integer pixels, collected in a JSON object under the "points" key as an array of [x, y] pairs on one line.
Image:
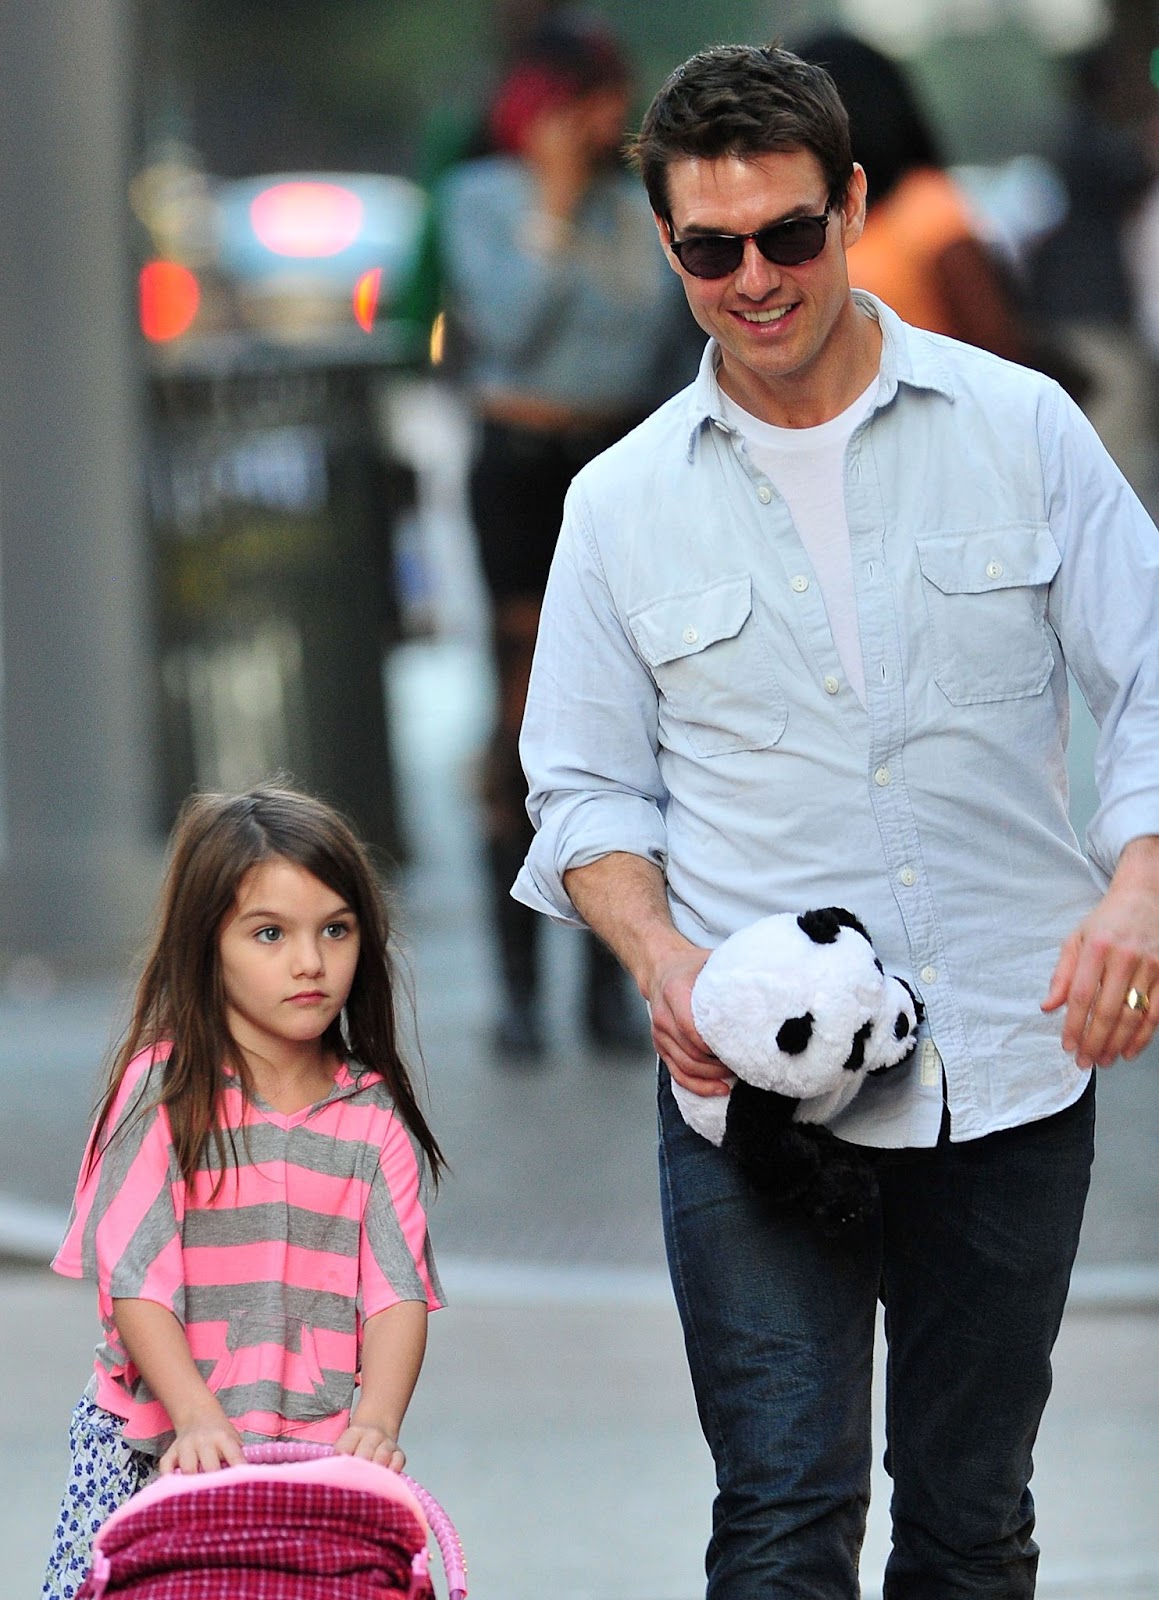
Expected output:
{"points": [[393, 1342], [205, 1437], [372, 1444], [204, 1445]]}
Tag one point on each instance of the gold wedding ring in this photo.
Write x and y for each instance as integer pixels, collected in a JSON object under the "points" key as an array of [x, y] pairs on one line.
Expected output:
{"points": [[1137, 1000]]}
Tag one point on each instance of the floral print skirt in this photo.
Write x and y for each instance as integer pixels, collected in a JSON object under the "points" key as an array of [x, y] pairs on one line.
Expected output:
{"points": [[105, 1471]]}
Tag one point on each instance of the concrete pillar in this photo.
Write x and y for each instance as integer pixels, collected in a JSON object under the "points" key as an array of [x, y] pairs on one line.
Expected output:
{"points": [[77, 764]]}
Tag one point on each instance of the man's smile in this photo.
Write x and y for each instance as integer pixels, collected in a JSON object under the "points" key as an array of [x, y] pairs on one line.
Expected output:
{"points": [[771, 314]]}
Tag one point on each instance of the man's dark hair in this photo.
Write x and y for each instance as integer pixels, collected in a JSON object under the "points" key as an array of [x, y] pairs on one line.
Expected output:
{"points": [[743, 100]]}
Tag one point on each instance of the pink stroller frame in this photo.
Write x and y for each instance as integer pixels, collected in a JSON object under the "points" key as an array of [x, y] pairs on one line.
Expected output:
{"points": [[278, 1528]]}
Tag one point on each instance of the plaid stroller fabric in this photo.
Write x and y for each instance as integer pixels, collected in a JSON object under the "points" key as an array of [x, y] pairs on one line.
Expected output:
{"points": [[328, 1528]]}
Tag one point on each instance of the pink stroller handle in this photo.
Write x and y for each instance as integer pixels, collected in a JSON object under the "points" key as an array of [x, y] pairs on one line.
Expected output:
{"points": [[444, 1530]]}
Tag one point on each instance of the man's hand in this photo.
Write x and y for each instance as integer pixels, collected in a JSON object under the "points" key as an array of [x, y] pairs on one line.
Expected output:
{"points": [[678, 1044], [1113, 953], [624, 900]]}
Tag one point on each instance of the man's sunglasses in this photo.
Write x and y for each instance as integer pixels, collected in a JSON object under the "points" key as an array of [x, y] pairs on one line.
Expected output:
{"points": [[786, 244]]}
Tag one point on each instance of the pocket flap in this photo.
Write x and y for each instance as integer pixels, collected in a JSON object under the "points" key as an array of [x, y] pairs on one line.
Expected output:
{"points": [[683, 624], [989, 558]]}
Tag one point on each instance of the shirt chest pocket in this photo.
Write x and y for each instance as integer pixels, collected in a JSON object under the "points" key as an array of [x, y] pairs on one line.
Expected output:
{"points": [[712, 666], [985, 593]]}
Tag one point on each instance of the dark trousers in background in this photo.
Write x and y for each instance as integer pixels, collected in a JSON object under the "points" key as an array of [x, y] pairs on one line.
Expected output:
{"points": [[518, 484], [971, 1255]]}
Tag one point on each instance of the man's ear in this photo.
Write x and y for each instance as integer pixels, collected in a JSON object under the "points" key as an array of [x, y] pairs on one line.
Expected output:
{"points": [[852, 207], [665, 232]]}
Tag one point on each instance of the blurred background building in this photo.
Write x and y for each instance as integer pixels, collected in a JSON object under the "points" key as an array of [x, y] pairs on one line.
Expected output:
{"points": [[219, 490]]}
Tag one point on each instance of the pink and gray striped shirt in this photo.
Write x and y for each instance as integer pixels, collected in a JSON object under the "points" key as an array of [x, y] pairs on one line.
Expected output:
{"points": [[321, 1224]]}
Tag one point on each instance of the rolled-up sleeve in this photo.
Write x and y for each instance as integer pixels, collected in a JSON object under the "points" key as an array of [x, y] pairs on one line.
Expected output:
{"points": [[1103, 605], [589, 737]]}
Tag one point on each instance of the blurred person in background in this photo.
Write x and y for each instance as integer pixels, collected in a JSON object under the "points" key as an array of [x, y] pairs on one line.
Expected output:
{"points": [[924, 251], [1141, 254], [567, 332], [1078, 274]]}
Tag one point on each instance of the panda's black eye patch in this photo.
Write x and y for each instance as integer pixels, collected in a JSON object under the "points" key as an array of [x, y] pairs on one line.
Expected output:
{"points": [[901, 1026], [857, 1052], [794, 1034]]}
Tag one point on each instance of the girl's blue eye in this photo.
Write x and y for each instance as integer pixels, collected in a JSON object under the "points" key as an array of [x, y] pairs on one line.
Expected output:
{"points": [[336, 930], [268, 935]]}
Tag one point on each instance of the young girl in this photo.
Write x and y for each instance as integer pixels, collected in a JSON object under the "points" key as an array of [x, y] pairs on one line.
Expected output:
{"points": [[252, 1203]]}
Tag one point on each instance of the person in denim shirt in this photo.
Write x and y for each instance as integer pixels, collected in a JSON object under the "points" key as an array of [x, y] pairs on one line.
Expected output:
{"points": [[568, 329], [805, 642]]}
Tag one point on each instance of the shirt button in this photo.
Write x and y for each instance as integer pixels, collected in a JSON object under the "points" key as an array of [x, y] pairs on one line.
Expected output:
{"points": [[800, 583], [882, 777], [908, 876], [929, 974], [690, 636], [764, 494], [994, 569], [831, 685]]}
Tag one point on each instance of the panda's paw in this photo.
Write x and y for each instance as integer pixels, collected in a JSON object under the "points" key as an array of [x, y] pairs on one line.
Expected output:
{"points": [[783, 1175], [760, 1136], [844, 1197]]}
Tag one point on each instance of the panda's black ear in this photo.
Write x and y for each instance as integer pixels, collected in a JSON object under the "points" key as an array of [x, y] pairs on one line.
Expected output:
{"points": [[820, 926], [794, 1034], [825, 925], [848, 920]]}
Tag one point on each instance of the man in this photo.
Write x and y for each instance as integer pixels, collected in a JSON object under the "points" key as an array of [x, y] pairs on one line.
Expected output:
{"points": [[805, 643]]}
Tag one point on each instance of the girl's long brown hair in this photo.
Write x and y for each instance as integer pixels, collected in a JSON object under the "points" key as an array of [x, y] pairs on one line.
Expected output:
{"points": [[181, 998]]}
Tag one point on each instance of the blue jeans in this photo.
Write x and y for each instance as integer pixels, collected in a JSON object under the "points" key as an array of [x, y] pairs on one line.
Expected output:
{"points": [[971, 1254]]}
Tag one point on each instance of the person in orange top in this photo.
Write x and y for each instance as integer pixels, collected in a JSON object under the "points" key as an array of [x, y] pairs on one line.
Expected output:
{"points": [[923, 250]]}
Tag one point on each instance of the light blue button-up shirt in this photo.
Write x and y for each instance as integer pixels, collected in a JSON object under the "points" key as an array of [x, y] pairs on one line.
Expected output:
{"points": [[687, 703]]}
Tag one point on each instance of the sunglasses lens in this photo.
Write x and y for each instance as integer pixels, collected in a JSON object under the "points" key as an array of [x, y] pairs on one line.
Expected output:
{"points": [[788, 244], [712, 256]]}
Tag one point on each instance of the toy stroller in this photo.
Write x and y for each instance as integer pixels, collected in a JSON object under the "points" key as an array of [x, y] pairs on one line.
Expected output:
{"points": [[296, 1522]]}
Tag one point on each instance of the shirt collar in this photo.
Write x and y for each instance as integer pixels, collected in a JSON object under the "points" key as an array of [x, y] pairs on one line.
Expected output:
{"points": [[908, 356]]}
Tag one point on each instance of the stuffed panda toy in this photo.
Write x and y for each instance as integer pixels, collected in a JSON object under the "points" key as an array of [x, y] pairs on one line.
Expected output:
{"points": [[801, 1010]]}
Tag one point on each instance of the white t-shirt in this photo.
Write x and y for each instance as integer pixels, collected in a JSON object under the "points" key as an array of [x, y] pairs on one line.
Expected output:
{"points": [[807, 468]]}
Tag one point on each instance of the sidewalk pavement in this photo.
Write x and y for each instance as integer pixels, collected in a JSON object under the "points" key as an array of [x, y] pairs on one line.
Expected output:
{"points": [[554, 1421], [554, 1418]]}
